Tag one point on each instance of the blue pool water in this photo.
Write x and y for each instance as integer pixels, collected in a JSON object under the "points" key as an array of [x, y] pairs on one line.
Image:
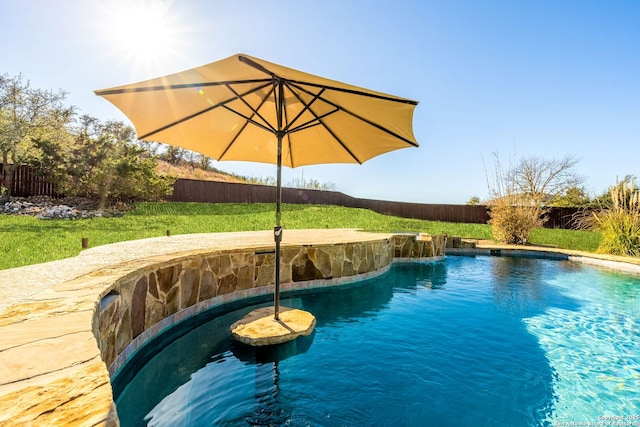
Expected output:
{"points": [[487, 341]]}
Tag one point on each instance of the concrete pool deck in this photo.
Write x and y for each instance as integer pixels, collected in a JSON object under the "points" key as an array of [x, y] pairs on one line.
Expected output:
{"points": [[52, 369]]}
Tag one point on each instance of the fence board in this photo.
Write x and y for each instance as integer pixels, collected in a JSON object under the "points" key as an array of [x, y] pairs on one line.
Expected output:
{"points": [[27, 182], [567, 218]]}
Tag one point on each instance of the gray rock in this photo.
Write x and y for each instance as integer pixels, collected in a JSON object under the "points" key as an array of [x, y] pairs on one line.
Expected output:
{"points": [[46, 208]]}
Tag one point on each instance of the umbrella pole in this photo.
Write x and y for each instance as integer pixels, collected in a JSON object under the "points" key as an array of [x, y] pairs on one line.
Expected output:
{"points": [[277, 232]]}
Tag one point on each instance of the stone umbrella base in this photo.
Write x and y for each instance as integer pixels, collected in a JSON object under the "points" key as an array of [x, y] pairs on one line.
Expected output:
{"points": [[259, 327]]}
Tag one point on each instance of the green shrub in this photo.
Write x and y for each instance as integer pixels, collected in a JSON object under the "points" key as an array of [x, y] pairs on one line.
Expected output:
{"points": [[101, 161]]}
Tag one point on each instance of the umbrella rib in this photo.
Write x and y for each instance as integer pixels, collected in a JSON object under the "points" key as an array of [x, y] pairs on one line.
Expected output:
{"points": [[260, 67], [233, 140], [254, 64], [206, 110], [354, 92], [254, 110], [314, 122], [341, 143], [246, 123], [307, 106], [177, 86], [248, 120], [182, 120], [357, 116], [321, 123], [318, 120]]}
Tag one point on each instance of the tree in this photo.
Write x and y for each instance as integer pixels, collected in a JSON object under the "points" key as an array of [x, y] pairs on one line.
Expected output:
{"points": [[572, 197], [312, 184], [104, 163], [473, 201], [192, 159], [28, 114], [521, 192], [540, 181], [150, 148], [74, 165], [512, 218], [205, 162], [173, 155]]}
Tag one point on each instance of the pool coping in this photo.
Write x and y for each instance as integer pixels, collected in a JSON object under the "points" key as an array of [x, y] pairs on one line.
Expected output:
{"points": [[624, 264]]}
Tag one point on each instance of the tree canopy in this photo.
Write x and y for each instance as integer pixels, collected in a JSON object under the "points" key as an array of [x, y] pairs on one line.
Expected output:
{"points": [[81, 155], [521, 193], [27, 114], [102, 161], [542, 180]]}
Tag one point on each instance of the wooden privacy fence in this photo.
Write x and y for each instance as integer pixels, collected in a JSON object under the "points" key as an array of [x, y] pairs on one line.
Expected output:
{"points": [[187, 190], [27, 182], [566, 218]]}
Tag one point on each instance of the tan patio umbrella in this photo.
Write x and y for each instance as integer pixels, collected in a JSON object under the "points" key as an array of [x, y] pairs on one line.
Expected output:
{"points": [[244, 108]]}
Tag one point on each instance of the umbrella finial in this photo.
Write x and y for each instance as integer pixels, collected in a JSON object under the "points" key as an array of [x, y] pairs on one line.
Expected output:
{"points": [[255, 65]]}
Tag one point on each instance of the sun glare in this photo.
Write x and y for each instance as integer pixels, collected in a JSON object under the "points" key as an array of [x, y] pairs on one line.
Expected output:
{"points": [[143, 33]]}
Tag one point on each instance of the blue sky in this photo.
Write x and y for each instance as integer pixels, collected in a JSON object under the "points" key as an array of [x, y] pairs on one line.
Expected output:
{"points": [[517, 78]]}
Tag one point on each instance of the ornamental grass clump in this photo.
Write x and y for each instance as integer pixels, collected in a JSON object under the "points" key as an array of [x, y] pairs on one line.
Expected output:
{"points": [[619, 221]]}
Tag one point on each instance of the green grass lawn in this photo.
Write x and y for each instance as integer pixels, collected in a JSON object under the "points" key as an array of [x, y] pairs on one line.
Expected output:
{"points": [[28, 240]]}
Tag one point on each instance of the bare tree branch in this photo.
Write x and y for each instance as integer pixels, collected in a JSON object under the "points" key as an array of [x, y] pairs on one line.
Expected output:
{"points": [[541, 180]]}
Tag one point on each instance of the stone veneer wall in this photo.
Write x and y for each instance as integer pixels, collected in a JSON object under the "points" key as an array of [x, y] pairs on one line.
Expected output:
{"points": [[145, 297]]}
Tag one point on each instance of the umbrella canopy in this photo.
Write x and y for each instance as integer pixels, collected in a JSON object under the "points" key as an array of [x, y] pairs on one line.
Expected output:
{"points": [[244, 108], [233, 109]]}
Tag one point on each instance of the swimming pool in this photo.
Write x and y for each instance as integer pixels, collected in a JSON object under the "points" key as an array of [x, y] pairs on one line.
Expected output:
{"points": [[493, 341]]}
